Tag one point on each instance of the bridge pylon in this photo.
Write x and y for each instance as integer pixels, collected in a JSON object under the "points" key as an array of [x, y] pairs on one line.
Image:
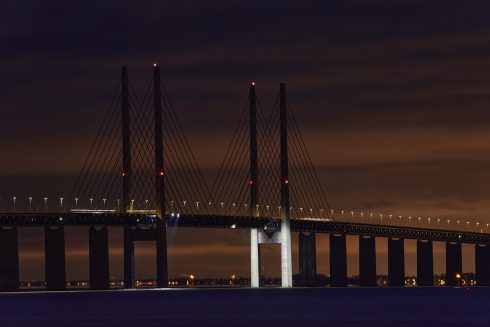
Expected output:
{"points": [[161, 228], [253, 182], [158, 232], [283, 235]]}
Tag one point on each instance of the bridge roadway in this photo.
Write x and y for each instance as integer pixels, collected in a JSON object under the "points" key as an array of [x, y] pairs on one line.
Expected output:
{"points": [[146, 221]]}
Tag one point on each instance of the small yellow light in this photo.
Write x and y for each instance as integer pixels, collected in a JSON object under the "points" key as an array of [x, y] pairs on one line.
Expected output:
{"points": [[458, 276]]}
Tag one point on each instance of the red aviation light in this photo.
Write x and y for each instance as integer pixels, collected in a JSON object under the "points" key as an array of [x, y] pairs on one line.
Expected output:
{"points": [[251, 181], [123, 174], [286, 181], [161, 173]]}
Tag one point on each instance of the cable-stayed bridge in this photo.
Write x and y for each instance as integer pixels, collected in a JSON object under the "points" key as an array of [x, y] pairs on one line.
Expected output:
{"points": [[142, 174]]}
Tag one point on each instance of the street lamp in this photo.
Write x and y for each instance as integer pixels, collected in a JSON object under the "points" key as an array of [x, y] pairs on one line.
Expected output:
{"points": [[30, 204], [14, 198], [45, 204]]}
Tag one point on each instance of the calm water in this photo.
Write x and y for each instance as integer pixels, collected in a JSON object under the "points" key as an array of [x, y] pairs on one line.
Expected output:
{"points": [[249, 307]]}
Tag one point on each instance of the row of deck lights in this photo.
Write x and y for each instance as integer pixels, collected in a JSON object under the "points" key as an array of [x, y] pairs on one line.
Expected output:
{"points": [[198, 206], [420, 220], [343, 213]]}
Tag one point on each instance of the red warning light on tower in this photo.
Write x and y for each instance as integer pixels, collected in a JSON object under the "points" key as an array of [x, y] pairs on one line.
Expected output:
{"points": [[161, 173], [286, 181], [251, 181], [123, 174]]}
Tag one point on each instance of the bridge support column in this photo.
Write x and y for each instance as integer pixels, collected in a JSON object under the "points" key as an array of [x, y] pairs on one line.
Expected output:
{"points": [[307, 259], [9, 259], [286, 258], [396, 262], [453, 262], [367, 261], [482, 264], [128, 257], [54, 247], [161, 243], [99, 258], [425, 263], [338, 260], [254, 258]]}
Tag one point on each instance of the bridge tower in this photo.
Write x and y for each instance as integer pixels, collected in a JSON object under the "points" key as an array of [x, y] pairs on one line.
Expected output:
{"points": [[282, 236], [132, 234], [126, 175], [253, 182], [161, 229], [286, 261]]}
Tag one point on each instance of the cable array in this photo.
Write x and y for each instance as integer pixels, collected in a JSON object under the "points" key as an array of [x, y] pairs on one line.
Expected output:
{"points": [[99, 185]]}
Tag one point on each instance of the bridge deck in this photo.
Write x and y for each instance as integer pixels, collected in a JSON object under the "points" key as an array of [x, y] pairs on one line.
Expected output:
{"points": [[216, 221]]}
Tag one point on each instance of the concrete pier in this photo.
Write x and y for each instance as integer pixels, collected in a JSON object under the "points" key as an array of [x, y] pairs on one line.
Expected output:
{"points": [[128, 257], [254, 258], [9, 259], [482, 264], [396, 262], [425, 263], [338, 260], [99, 258], [454, 264], [54, 247], [161, 244], [367, 261], [307, 259]]}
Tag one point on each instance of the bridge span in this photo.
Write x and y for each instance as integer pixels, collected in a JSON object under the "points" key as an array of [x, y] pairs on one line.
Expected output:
{"points": [[144, 228]]}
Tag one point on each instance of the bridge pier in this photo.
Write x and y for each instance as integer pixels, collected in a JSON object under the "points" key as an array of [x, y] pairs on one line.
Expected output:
{"points": [[307, 259], [453, 263], [338, 260], [128, 257], [367, 261], [254, 258], [277, 237], [54, 247], [9, 259], [161, 244], [396, 262], [425, 263], [99, 258], [482, 264]]}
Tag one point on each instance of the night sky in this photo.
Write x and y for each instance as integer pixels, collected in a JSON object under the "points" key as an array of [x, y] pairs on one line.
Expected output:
{"points": [[393, 98]]}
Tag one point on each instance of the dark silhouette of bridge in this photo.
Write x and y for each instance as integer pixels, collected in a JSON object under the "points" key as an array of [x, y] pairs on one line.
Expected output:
{"points": [[142, 175]]}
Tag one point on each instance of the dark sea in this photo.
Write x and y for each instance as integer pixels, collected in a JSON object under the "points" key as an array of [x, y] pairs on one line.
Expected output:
{"points": [[250, 307]]}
